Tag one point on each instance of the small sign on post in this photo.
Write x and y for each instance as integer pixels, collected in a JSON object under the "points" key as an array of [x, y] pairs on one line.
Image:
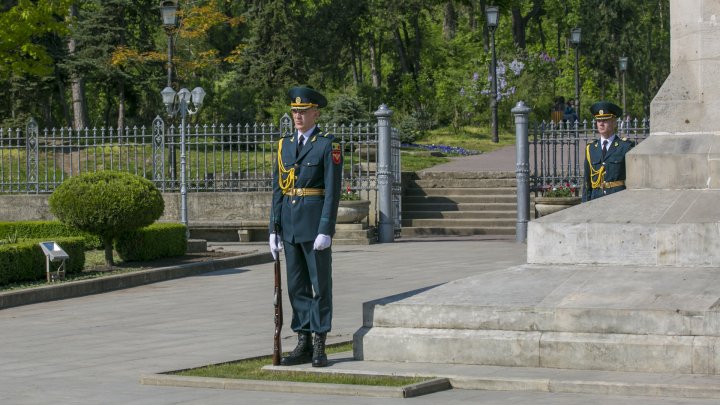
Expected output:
{"points": [[54, 253]]}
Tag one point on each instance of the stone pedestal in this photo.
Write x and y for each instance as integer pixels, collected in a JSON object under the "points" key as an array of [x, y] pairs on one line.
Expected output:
{"points": [[669, 214]]}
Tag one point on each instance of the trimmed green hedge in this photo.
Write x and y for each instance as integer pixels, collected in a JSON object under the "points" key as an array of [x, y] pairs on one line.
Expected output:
{"points": [[25, 261], [152, 242], [46, 230]]}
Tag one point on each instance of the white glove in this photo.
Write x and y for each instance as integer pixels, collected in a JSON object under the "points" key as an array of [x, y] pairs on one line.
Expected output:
{"points": [[276, 245], [322, 242]]}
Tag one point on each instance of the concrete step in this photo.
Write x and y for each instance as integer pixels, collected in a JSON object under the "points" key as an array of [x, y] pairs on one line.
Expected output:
{"points": [[419, 232], [612, 318], [354, 234], [442, 191], [464, 183], [429, 175], [414, 214], [450, 223], [460, 199], [609, 352], [450, 206], [538, 379]]}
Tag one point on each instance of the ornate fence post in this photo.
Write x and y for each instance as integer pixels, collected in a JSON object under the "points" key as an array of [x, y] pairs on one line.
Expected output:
{"points": [[32, 156], [158, 152], [522, 170], [386, 224]]}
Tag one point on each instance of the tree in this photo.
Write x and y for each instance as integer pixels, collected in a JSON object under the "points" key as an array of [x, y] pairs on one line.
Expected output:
{"points": [[23, 26], [107, 204]]}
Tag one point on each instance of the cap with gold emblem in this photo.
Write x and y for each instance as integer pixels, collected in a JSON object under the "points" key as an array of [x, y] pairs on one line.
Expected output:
{"points": [[605, 110], [303, 98]]}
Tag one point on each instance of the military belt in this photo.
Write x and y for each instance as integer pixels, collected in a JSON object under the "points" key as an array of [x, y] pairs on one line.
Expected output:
{"points": [[611, 184], [300, 192]]}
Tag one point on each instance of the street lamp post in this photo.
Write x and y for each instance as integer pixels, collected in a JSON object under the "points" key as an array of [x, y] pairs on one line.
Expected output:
{"points": [[623, 67], [575, 40], [168, 13], [491, 13], [180, 103]]}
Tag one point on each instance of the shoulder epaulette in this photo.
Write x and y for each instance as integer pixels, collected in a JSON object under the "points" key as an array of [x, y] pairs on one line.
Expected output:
{"points": [[624, 138]]}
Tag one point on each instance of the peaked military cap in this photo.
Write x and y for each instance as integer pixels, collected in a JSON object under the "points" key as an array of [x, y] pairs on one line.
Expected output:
{"points": [[605, 110], [304, 97]]}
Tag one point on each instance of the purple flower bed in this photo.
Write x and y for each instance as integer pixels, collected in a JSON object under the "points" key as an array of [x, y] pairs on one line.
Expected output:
{"points": [[442, 148]]}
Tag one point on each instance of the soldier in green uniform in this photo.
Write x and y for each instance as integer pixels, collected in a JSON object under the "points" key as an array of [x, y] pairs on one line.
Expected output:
{"points": [[306, 192], [605, 158]]}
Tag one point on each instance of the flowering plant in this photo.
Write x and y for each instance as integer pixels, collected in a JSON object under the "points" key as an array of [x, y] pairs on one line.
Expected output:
{"points": [[566, 190], [349, 195]]}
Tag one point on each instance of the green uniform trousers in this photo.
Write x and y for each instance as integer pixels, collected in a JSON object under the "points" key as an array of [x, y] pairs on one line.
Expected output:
{"points": [[309, 280]]}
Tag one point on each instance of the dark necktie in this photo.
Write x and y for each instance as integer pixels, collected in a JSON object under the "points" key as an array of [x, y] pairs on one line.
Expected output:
{"points": [[301, 142], [605, 142]]}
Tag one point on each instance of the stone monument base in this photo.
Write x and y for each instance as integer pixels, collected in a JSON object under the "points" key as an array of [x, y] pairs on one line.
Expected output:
{"points": [[613, 318], [632, 227]]}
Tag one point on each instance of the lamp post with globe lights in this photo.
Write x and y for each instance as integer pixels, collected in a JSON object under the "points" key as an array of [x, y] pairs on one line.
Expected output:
{"points": [[575, 35], [179, 102], [492, 13]]}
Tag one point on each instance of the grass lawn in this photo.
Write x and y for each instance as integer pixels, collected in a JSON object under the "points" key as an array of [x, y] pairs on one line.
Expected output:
{"points": [[251, 369]]}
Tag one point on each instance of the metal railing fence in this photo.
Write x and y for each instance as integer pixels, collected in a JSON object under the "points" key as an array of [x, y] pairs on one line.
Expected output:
{"points": [[557, 150], [219, 157]]}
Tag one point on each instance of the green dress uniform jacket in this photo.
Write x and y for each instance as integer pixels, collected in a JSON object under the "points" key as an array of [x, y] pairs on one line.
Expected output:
{"points": [[301, 215], [605, 175]]}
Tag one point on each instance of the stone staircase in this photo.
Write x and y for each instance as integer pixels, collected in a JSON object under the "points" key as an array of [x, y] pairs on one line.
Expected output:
{"points": [[354, 234], [458, 204]]}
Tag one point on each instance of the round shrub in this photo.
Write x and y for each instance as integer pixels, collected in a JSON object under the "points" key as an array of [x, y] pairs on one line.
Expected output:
{"points": [[107, 204]]}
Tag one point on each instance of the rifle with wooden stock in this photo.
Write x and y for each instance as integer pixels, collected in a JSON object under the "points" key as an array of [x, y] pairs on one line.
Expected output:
{"points": [[277, 301]]}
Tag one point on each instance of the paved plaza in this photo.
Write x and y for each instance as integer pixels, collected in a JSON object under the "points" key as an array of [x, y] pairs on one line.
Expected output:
{"points": [[93, 349]]}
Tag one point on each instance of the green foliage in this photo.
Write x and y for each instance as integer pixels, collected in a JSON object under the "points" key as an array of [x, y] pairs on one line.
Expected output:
{"points": [[412, 55], [21, 48], [25, 261], [152, 242], [107, 204], [46, 230], [346, 109]]}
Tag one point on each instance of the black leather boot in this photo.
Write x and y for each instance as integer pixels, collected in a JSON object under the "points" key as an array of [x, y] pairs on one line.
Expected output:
{"points": [[319, 358], [302, 353]]}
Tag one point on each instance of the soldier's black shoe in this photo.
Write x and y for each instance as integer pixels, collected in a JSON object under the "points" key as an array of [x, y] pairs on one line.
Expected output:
{"points": [[319, 358], [302, 353]]}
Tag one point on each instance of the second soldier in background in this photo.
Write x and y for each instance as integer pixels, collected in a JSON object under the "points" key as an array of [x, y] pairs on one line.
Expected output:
{"points": [[605, 158]]}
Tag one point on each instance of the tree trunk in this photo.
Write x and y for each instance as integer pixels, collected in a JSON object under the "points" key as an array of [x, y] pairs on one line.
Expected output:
{"points": [[61, 98], [358, 48], [520, 22], [401, 50], [353, 56], [77, 84], [450, 21], [415, 20], [472, 21], [374, 62], [518, 28], [121, 106], [486, 31], [108, 243]]}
